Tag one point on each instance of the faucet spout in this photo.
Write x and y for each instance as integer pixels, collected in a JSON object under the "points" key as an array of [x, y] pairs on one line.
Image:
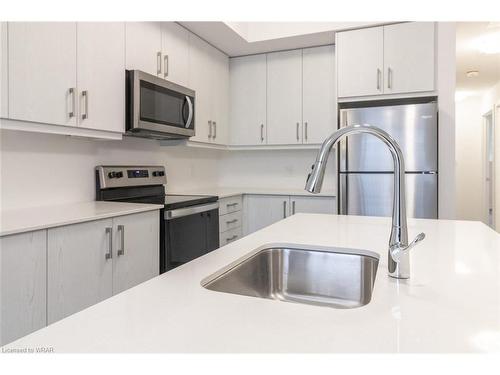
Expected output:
{"points": [[398, 254]]}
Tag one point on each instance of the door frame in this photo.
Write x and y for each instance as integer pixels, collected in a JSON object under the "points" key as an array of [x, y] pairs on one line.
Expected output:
{"points": [[485, 118]]}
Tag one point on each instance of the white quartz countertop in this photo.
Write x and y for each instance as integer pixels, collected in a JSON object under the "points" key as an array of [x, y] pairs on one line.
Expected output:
{"points": [[225, 192], [35, 218], [450, 304]]}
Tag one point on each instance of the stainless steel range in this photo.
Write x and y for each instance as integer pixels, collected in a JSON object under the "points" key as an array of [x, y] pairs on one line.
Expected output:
{"points": [[189, 224]]}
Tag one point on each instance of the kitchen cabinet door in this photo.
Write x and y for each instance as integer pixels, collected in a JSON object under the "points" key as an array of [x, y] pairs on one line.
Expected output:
{"points": [[175, 49], [263, 210], [23, 288], [319, 99], [409, 57], [79, 267], [4, 72], [247, 88], [312, 205], [220, 97], [200, 79], [284, 97], [101, 75], [143, 47], [360, 62], [42, 72], [136, 240]]}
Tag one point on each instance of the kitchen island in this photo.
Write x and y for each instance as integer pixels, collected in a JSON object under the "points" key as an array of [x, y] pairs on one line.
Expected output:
{"points": [[451, 303]]}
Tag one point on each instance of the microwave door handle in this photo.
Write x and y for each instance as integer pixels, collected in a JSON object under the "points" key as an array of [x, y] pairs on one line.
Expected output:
{"points": [[190, 116]]}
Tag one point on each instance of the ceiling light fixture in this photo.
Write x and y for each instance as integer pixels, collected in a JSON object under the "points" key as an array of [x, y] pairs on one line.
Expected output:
{"points": [[488, 43], [472, 73]]}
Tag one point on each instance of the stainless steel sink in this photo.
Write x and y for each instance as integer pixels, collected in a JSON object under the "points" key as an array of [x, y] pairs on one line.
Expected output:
{"points": [[337, 277]]}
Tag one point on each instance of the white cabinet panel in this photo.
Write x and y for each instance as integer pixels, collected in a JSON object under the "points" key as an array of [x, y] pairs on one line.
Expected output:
{"points": [[220, 96], [79, 272], [101, 75], [230, 236], [230, 204], [136, 253], [263, 210], [42, 70], [409, 57], [248, 100], [284, 97], [143, 47], [4, 87], [360, 61], [318, 98], [200, 71], [313, 205], [23, 284], [175, 48]]}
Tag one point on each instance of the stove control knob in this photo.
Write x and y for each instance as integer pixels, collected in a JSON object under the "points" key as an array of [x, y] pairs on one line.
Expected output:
{"points": [[112, 174], [158, 173], [119, 174]]}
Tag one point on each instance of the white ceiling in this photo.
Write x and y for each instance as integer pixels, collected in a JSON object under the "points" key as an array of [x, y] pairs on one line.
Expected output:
{"points": [[469, 58], [246, 38]]}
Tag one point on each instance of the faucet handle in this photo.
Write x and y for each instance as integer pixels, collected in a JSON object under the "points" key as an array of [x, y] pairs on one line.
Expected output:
{"points": [[398, 250]]}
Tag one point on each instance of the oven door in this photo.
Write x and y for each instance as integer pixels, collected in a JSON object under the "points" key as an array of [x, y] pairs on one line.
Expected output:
{"points": [[158, 107], [189, 233]]}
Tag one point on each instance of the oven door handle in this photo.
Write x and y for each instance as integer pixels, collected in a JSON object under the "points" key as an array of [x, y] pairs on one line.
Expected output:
{"points": [[180, 212], [190, 115]]}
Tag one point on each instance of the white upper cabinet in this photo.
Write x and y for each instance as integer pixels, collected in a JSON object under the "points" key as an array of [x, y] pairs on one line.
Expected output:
{"points": [[4, 72], [409, 57], [175, 53], [390, 59], [144, 47], [220, 96], [284, 97], [360, 62], [247, 112], [42, 72], [319, 103], [101, 75]]}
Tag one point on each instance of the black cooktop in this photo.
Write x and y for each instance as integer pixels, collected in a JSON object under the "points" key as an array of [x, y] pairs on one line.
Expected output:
{"points": [[173, 202]]}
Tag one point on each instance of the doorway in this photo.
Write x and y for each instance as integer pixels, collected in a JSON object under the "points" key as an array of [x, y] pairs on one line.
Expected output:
{"points": [[489, 168]]}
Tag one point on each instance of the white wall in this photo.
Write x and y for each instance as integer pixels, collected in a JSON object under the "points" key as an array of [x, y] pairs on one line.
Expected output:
{"points": [[469, 159], [285, 169], [42, 169]]}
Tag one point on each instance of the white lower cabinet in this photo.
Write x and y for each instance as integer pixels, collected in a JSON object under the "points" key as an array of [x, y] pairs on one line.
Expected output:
{"points": [[23, 284], [92, 261], [263, 210], [230, 219]]}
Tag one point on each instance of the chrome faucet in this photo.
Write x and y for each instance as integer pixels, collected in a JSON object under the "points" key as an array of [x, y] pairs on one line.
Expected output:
{"points": [[399, 249]]}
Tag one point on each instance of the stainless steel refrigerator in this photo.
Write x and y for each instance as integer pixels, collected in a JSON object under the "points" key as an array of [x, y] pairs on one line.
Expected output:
{"points": [[366, 166]]}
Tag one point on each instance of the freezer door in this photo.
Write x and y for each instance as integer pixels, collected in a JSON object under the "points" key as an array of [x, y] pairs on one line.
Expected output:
{"points": [[371, 194], [413, 126]]}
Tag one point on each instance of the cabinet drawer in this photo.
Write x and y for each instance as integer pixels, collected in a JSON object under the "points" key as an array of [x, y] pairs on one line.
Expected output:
{"points": [[230, 204], [230, 236], [229, 221]]}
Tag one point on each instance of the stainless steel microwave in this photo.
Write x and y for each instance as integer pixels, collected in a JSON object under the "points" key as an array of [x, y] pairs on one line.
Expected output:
{"points": [[156, 108]]}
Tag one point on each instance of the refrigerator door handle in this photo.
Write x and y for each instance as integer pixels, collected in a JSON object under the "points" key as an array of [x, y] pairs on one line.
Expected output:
{"points": [[343, 194]]}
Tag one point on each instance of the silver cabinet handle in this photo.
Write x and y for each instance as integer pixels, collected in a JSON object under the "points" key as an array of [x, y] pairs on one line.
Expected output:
{"points": [[165, 66], [305, 130], [297, 131], [293, 207], [191, 112], [85, 95], [232, 238], [231, 204], [215, 129], [158, 63], [389, 78], [72, 92], [209, 129], [232, 221], [109, 233], [379, 74], [262, 132], [121, 230], [284, 209]]}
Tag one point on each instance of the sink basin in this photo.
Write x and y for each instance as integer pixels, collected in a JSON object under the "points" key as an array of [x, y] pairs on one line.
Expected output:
{"points": [[334, 277]]}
